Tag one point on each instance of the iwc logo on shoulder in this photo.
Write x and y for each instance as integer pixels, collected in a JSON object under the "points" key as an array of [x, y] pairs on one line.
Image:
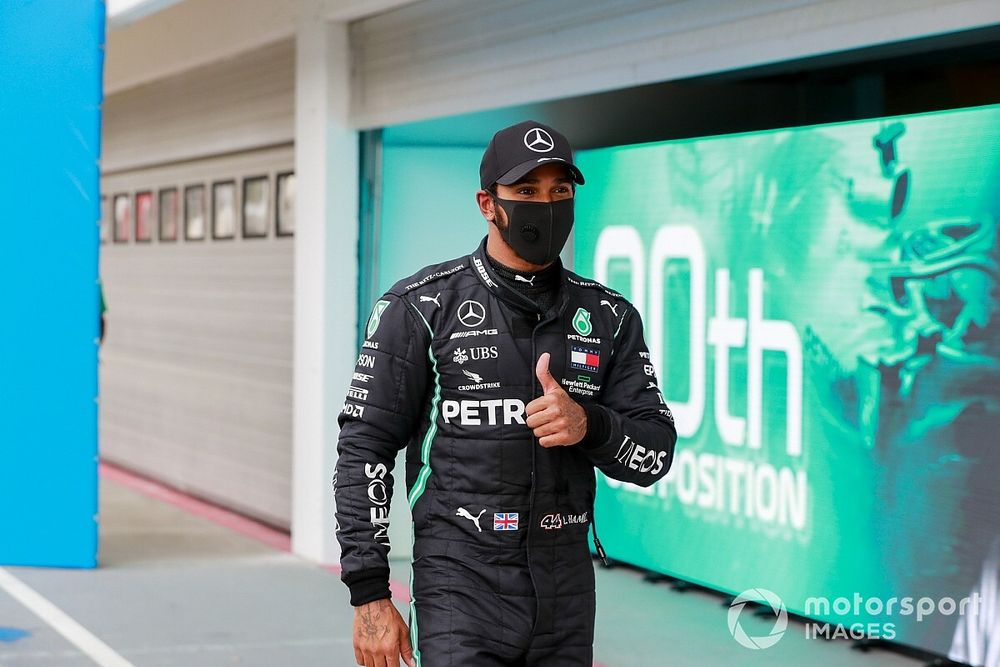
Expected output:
{"points": [[376, 317], [581, 322]]}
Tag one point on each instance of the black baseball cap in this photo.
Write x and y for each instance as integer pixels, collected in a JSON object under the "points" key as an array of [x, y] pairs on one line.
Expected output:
{"points": [[516, 150]]}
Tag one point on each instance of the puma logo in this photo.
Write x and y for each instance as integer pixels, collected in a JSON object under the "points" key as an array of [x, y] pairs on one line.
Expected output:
{"points": [[613, 307], [432, 299], [518, 277], [475, 519]]}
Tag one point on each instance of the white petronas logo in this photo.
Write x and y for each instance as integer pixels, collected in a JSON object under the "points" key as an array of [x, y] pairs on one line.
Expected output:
{"points": [[376, 317]]}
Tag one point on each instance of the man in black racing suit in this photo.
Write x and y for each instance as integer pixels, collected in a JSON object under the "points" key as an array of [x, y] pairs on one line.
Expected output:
{"points": [[508, 379]]}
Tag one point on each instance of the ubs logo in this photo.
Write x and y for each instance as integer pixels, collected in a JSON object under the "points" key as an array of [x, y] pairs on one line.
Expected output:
{"points": [[484, 352]]}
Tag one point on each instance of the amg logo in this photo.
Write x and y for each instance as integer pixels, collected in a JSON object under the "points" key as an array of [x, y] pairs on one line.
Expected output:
{"points": [[474, 332], [473, 413]]}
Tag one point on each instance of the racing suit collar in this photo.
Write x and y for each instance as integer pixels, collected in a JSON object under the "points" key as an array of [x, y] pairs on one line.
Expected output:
{"points": [[484, 271]]}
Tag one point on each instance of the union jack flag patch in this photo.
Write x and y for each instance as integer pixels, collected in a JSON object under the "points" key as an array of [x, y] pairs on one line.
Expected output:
{"points": [[505, 521]]}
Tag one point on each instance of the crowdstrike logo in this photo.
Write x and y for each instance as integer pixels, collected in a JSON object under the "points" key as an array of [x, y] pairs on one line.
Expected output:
{"points": [[538, 140], [477, 382], [759, 596]]}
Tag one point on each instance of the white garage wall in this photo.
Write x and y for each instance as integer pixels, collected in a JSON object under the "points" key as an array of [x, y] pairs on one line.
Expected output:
{"points": [[446, 57], [233, 105], [196, 369]]}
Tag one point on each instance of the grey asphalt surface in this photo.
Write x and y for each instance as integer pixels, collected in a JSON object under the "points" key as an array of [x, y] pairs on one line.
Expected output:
{"points": [[177, 589]]}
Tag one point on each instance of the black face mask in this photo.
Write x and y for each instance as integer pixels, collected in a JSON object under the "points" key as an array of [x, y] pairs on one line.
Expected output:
{"points": [[537, 231]]}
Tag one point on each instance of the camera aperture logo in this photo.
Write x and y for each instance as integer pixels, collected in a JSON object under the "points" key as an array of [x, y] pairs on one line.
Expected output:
{"points": [[760, 596], [861, 617]]}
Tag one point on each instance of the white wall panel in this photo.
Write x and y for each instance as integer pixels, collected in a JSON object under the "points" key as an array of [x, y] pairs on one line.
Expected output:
{"points": [[191, 34], [326, 274], [445, 57], [196, 367], [228, 106]]}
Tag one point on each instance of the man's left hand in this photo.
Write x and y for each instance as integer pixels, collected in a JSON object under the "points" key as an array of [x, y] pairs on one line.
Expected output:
{"points": [[555, 418]]}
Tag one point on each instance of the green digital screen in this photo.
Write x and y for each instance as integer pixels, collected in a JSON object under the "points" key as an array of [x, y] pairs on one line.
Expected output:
{"points": [[821, 309]]}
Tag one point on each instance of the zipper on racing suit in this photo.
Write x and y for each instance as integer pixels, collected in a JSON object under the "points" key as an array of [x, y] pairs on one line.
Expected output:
{"points": [[531, 498], [531, 493]]}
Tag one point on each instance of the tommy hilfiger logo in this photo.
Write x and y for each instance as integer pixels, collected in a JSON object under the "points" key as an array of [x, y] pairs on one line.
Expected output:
{"points": [[585, 359]]}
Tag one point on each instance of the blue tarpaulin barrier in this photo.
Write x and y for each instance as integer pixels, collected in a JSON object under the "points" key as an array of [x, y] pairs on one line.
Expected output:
{"points": [[51, 61]]}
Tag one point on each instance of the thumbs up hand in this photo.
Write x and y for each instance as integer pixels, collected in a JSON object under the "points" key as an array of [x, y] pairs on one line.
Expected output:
{"points": [[549, 384], [555, 418]]}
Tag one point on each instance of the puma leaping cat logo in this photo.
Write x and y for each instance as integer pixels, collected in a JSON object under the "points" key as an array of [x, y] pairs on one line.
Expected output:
{"points": [[475, 519], [432, 299]]}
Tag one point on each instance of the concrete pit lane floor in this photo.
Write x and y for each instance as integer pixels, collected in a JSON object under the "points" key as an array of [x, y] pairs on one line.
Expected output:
{"points": [[184, 583]]}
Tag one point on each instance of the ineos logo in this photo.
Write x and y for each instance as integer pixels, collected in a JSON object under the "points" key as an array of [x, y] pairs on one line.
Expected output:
{"points": [[471, 313], [378, 495], [538, 140]]}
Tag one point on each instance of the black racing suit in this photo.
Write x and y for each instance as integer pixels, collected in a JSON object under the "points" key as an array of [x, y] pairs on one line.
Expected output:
{"points": [[502, 571]]}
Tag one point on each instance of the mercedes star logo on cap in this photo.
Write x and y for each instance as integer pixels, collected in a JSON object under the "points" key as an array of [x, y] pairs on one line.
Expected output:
{"points": [[538, 140], [471, 313]]}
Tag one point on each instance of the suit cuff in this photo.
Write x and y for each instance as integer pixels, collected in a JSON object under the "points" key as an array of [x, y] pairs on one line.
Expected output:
{"points": [[368, 587], [598, 426]]}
